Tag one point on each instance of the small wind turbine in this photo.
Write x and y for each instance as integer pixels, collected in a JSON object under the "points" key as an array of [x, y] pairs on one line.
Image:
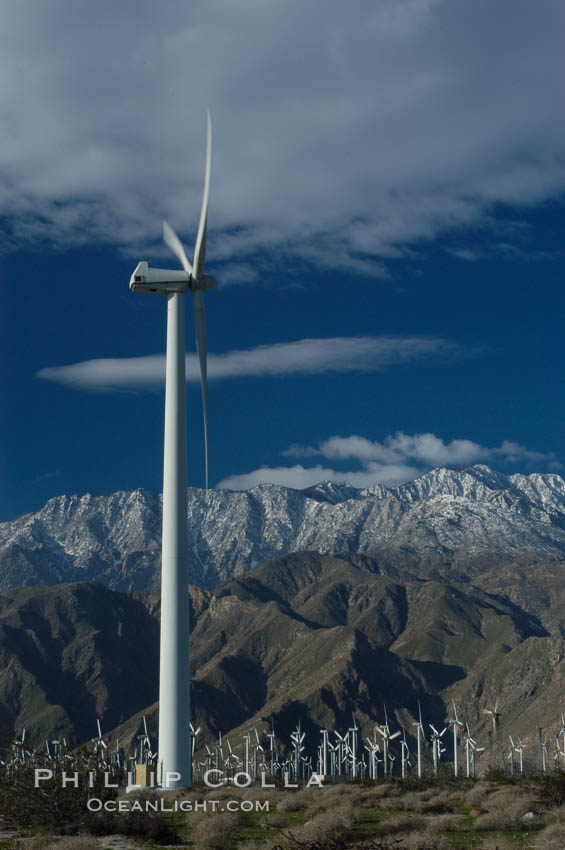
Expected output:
{"points": [[469, 744], [561, 734], [324, 752], [99, 743], [511, 755], [373, 749], [420, 737], [520, 750], [494, 713], [353, 748], [193, 735], [297, 737], [437, 748], [384, 732], [174, 679], [341, 751], [272, 750], [404, 755], [543, 750], [247, 739], [454, 723], [558, 753]]}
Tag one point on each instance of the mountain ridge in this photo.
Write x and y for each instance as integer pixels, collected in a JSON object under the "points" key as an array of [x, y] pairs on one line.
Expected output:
{"points": [[304, 637], [444, 519]]}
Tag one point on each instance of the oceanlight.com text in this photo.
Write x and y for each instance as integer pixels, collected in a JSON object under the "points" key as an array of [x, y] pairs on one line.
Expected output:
{"points": [[95, 804]]}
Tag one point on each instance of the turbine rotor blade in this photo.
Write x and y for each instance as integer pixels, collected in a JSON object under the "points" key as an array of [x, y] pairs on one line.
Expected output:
{"points": [[200, 247], [176, 246], [200, 331]]}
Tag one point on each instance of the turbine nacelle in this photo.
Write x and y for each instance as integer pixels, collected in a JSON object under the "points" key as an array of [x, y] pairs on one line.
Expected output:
{"points": [[160, 281]]}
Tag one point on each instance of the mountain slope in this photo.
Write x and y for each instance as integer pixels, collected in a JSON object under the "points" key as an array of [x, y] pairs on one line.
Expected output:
{"points": [[460, 520], [304, 636]]}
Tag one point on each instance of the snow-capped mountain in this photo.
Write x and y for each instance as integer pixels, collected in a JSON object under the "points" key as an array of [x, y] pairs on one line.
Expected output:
{"points": [[444, 518]]}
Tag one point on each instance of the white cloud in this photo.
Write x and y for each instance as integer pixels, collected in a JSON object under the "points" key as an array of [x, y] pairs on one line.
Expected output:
{"points": [[303, 357], [422, 448], [300, 477], [399, 458], [339, 138]]}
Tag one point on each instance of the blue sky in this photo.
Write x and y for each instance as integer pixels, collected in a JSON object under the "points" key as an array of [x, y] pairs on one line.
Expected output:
{"points": [[386, 226]]}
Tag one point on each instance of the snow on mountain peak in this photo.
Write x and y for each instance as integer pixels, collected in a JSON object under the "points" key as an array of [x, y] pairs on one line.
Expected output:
{"points": [[115, 539]]}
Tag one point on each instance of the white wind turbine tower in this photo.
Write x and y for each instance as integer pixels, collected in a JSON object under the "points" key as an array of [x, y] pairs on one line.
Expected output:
{"points": [[561, 734], [437, 748], [454, 723], [384, 732], [520, 750], [495, 714], [174, 682], [353, 748], [511, 755], [420, 736], [404, 755]]}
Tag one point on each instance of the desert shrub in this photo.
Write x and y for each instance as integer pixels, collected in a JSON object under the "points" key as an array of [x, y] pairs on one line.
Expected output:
{"points": [[498, 842], [215, 829], [551, 838], [504, 812], [367, 800], [387, 789], [389, 802], [555, 815], [50, 806], [550, 789], [439, 804], [275, 820], [496, 774], [446, 781], [411, 842], [259, 845], [424, 840], [335, 823], [54, 809], [223, 793], [443, 823], [509, 797], [150, 826], [74, 842], [376, 792], [414, 800], [401, 823], [290, 803], [476, 796]]}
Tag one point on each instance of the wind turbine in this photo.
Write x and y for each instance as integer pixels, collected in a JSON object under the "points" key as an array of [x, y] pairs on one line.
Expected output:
{"points": [[520, 750], [404, 754], [561, 734], [495, 714], [174, 680], [543, 750], [454, 723], [353, 748], [511, 755], [323, 752], [437, 748], [99, 743], [420, 732], [469, 744], [384, 732]]}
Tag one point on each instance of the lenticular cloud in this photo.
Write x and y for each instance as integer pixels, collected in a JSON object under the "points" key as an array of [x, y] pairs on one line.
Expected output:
{"points": [[303, 357]]}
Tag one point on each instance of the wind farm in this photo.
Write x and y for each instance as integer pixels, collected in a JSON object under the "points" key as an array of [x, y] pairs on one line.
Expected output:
{"points": [[261, 756]]}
